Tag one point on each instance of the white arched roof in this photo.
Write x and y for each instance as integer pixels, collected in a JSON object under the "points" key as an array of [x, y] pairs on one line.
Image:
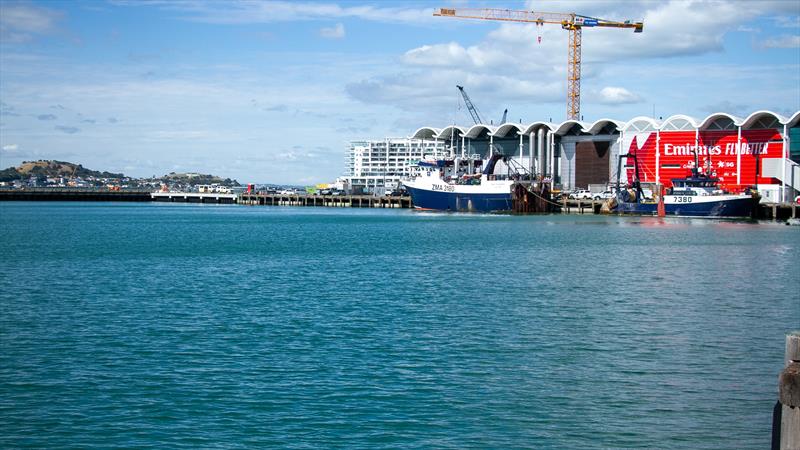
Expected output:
{"points": [[757, 116], [447, 132], [600, 124], [716, 116], [641, 123], [680, 122], [425, 133], [637, 124], [506, 128], [568, 124], [536, 125], [795, 120], [476, 130]]}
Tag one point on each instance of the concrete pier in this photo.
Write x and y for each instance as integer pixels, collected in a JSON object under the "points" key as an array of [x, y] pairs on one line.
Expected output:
{"points": [[336, 201], [779, 211], [193, 197]]}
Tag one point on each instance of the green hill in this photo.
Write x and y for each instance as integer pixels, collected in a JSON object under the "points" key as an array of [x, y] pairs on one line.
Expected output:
{"points": [[54, 169], [197, 178], [51, 168]]}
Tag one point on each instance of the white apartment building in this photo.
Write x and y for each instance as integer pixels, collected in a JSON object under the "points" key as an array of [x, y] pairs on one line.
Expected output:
{"points": [[372, 166]]}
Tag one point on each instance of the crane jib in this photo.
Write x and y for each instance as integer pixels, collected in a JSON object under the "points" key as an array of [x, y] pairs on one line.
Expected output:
{"points": [[571, 22]]}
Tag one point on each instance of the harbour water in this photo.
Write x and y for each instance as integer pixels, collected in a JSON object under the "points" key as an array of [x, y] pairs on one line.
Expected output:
{"points": [[183, 325]]}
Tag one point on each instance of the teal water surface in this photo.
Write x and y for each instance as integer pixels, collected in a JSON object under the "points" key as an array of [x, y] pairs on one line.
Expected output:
{"points": [[164, 326]]}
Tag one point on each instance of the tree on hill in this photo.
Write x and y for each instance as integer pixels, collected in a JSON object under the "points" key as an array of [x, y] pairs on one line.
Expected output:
{"points": [[10, 174]]}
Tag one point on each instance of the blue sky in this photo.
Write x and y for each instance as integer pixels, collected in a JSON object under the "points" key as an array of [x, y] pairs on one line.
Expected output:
{"points": [[273, 91]]}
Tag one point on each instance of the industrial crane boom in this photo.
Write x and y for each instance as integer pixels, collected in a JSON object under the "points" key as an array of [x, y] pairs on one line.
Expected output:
{"points": [[473, 111], [571, 22]]}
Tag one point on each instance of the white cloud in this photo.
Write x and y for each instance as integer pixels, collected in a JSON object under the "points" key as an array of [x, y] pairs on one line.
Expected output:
{"points": [[748, 29], [432, 93], [10, 147], [246, 12], [67, 130], [512, 65], [675, 28], [784, 41], [443, 55], [335, 32], [179, 135], [671, 28], [788, 21], [637, 9], [611, 95], [20, 22]]}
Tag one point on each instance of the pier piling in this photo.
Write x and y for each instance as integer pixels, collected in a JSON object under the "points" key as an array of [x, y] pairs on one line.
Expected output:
{"points": [[786, 419]]}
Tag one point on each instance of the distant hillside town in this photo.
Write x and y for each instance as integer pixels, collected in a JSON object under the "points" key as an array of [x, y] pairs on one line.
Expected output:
{"points": [[61, 174]]}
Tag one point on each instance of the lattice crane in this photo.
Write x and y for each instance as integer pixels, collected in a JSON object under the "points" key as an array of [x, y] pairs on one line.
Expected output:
{"points": [[473, 111], [571, 22]]}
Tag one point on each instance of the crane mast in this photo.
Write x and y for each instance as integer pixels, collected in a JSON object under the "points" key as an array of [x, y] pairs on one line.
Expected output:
{"points": [[571, 22], [473, 111]]}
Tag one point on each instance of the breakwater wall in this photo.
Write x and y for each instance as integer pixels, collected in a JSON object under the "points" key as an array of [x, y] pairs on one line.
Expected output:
{"points": [[77, 194]]}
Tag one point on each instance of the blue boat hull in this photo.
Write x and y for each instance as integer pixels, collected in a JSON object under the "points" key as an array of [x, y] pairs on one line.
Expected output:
{"points": [[742, 207], [460, 202]]}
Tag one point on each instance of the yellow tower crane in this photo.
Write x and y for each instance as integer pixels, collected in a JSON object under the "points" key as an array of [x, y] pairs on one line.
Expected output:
{"points": [[571, 22]]}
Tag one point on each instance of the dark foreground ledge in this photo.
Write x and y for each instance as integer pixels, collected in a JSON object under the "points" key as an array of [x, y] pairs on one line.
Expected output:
{"points": [[74, 194]]}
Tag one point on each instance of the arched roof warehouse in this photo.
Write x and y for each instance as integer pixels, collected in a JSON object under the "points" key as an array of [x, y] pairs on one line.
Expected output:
{"points": [[678, 122]]}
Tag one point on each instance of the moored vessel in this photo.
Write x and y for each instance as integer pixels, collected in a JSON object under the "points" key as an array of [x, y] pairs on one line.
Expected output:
{"points": [[697, 195], [454, 185]]}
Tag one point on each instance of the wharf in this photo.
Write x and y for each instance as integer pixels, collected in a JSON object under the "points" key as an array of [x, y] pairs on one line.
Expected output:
{"points": [[74, 194], [584, 206], [778, 211], [764, 211], [342, 201], [193, 197]]}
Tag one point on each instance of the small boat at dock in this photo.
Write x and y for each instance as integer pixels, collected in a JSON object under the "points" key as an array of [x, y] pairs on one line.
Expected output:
{"points": [[697, 195]]}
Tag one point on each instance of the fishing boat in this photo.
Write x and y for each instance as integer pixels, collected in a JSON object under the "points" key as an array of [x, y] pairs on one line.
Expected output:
{"points": [[454, 185], [698, 195]]}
